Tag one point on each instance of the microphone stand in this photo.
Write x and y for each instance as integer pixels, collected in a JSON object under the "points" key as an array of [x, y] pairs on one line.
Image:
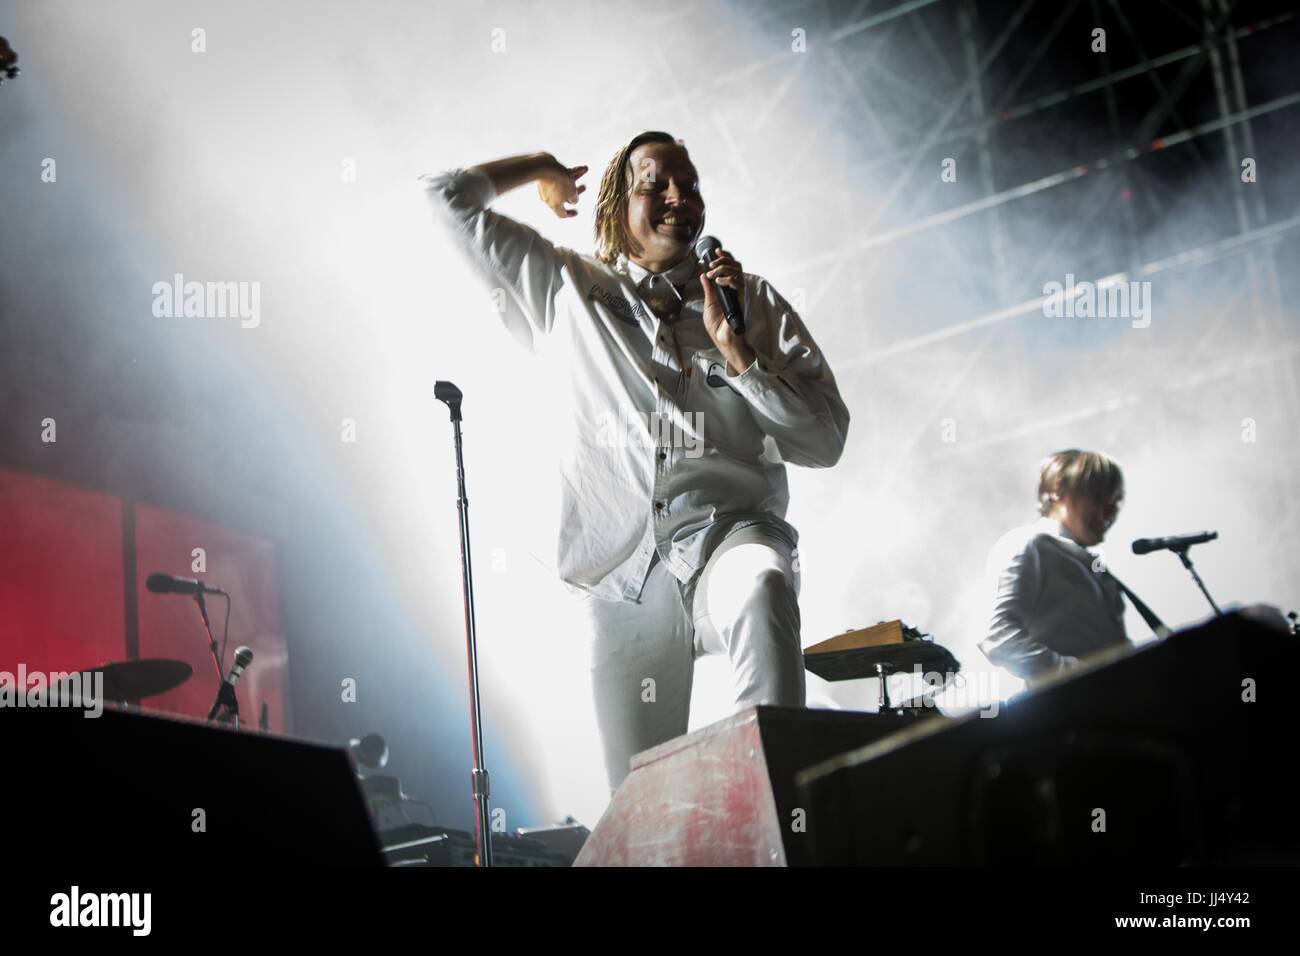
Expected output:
{"points": [[225, 692], [225, 699], [480, 783], [1187, 563]]}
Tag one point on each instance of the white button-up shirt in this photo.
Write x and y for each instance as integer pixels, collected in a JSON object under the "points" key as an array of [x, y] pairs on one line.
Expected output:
{"points": [[666, 453], [1053, 601]]}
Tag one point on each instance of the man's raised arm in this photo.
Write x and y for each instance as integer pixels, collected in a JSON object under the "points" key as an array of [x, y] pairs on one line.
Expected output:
{"points": [[509, 256]]}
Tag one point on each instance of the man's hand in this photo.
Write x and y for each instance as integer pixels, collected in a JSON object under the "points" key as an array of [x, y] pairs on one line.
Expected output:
{"points": [[557, 184], [726, 271]]}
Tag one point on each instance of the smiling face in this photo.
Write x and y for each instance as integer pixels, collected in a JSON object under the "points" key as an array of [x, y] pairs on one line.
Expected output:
{"points": [[665, 211], [1088, 519]]}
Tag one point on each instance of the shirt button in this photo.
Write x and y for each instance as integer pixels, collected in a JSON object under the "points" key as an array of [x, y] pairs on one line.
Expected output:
{"points": [[659, 506], [663, 455]]}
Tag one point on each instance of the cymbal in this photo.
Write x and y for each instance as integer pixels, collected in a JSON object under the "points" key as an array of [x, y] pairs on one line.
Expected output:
{"points": [[126, 682]]}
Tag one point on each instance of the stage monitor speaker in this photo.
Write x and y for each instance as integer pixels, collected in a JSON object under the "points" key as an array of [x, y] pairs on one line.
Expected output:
{"points": [[1178, 752], [724, 795], [147, 790]]}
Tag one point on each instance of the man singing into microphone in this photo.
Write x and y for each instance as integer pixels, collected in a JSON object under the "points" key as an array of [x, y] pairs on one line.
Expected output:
{"points": [[674, 484], [1054, 602]]}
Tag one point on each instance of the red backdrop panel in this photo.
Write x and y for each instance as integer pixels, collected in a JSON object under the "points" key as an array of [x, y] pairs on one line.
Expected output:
{"points": [[61, 593], [170, 626]]}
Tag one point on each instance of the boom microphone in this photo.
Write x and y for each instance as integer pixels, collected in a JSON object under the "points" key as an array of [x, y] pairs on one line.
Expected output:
{"points": [[160, 583], [1178, 542]]}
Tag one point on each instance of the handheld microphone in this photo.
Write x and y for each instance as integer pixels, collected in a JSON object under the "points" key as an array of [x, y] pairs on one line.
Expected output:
{"points": [[160, 583], [1178, 542], [706, 249], [243, 657]]}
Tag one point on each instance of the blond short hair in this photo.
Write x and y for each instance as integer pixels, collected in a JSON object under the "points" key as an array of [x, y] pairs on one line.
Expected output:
{"points": [[1074, 472]]}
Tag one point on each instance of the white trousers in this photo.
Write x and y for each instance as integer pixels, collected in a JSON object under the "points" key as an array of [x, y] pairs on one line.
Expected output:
{"points": [[743, 603]]}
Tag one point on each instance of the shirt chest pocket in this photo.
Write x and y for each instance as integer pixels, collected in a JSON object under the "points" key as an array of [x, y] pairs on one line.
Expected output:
{"points": [[726, 418]]}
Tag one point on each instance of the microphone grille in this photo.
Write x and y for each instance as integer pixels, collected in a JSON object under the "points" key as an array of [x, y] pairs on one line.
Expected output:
{"points": [[243, 656], [705, 246], [158, 582]]}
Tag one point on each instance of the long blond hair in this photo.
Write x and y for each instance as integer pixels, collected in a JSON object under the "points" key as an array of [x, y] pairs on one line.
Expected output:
{"points": [[611, 204]]}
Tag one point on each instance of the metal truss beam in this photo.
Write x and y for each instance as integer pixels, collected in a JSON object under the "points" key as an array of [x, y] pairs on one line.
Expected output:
{"points": [[1043, 183], [1192, 258]]}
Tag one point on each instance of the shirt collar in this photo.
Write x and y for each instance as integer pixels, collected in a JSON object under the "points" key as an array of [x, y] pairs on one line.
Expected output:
{"points": [[678, 274]]}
